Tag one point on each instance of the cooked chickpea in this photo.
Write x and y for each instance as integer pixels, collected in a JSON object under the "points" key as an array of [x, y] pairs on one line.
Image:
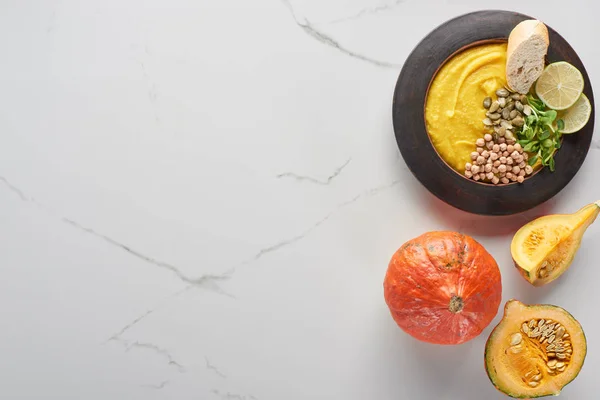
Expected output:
{"points": [[511, 141], [476, 177], [502, 160], [485, 154], [496, 148], [501, 140], [519, 158], [495, 170], [489, 176], [474, 155], [487, 137], [480, 142], [479, 150], [522, 164], [522, 172], [528, 169], [488, 168], [505, 153], [520, 178], [493, 156], [482, 175], [514, 178], [495, 180], [518, 147], [497, 163], [509, 175], [489, 145], [503, 146], [502, 168], [475, 169], [468, 166], [480, 160], [515, 154], [525, 156], [509, 161], [516, 169], [510, 148], [504, 180], [468, 174]]}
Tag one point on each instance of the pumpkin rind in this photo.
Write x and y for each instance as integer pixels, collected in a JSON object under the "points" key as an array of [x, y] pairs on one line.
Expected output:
{"points": [[498, 369], [443, 287]]}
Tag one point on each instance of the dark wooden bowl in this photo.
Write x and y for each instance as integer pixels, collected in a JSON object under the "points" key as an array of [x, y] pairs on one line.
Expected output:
{"points": [[418, 151]]}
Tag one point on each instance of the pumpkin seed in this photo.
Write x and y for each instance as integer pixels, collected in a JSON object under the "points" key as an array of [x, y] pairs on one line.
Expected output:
{"points": [[551, 346], [560, 332], [515, 339], [515, 96], [531, 323], [537, 378], [561, 369], [487, 122], [525, 328], [519, 106], [502, 101], [560, 356], [513, 114], [506, 113], [518, 121], [507, 125], [551, 339], [527, 109], [533, 384], [552, 363], [494, 116], [541, 322], [487, 102], [502, 92], [494, 107]]}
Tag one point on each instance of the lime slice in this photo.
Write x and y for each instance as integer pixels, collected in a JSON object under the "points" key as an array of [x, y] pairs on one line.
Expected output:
{"points": [[559, 85], [576, 116]]}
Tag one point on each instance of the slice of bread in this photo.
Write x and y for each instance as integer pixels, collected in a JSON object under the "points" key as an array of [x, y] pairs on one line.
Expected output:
{"points": [[525, 55]]}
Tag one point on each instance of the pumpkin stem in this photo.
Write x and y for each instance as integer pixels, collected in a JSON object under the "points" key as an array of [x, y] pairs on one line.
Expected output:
{"points": [[456, 304]]}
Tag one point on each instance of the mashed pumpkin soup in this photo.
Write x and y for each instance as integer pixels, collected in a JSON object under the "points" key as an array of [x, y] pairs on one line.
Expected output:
{"points": [[453, 110]]}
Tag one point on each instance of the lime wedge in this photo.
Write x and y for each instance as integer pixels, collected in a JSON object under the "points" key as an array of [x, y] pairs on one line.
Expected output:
{"points": [[560, 85], [576, 116]]}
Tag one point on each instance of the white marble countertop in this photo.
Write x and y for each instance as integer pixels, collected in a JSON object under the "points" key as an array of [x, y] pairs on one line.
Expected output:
{"points": [[199, 200]]}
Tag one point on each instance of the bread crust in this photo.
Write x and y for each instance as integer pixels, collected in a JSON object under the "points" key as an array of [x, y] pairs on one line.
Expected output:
{"points": [[521, 33]]}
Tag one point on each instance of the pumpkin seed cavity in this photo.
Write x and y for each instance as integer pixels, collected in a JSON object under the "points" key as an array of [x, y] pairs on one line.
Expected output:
{"points": [[542, 348]]}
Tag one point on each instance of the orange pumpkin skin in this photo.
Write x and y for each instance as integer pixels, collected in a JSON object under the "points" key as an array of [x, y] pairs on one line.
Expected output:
{"points": [[443, 287]]}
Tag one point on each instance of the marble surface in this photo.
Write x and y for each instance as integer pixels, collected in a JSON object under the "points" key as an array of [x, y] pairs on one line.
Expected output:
{"points": [[199, 200]]}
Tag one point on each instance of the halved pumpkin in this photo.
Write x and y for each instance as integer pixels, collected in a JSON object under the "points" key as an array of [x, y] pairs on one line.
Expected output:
{"points": [[535, 350]]}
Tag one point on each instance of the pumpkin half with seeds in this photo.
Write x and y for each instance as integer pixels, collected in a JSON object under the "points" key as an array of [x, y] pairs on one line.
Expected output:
{"points": [[443, 287], [535, 350]]}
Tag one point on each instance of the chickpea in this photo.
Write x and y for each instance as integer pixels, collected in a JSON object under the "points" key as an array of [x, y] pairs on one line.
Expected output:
{"points": [[487, 137], [468, 174], [520, 178], [503, 146], [511, 141], [509, 161], [495, 180], [504, 180], [480, 160], [522, 172], [488, 168], [516, 169], [485, 154], [502, 160], [493, 156], [509, 175], [505, 153], [522, 164], [515, 154], [496, 148], [490, 176], [510, 148], [518, 147], [502, 168], [479, 150], [468, 166], [475, 169], [495, 170], [501, 140], [489, 145], [497, 163], [514, 178], [474, 155], [519, 158], [476, 177], [480, 142], [528, 169], [482, 175], [525, 156]]}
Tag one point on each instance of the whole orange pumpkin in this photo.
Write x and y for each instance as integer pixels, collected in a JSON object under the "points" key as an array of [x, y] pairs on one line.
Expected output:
{"points": [[443, 287]]}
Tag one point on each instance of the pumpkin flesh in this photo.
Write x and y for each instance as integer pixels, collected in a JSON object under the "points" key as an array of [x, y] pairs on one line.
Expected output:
{"points": [[443, 287], [528, 369]]}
